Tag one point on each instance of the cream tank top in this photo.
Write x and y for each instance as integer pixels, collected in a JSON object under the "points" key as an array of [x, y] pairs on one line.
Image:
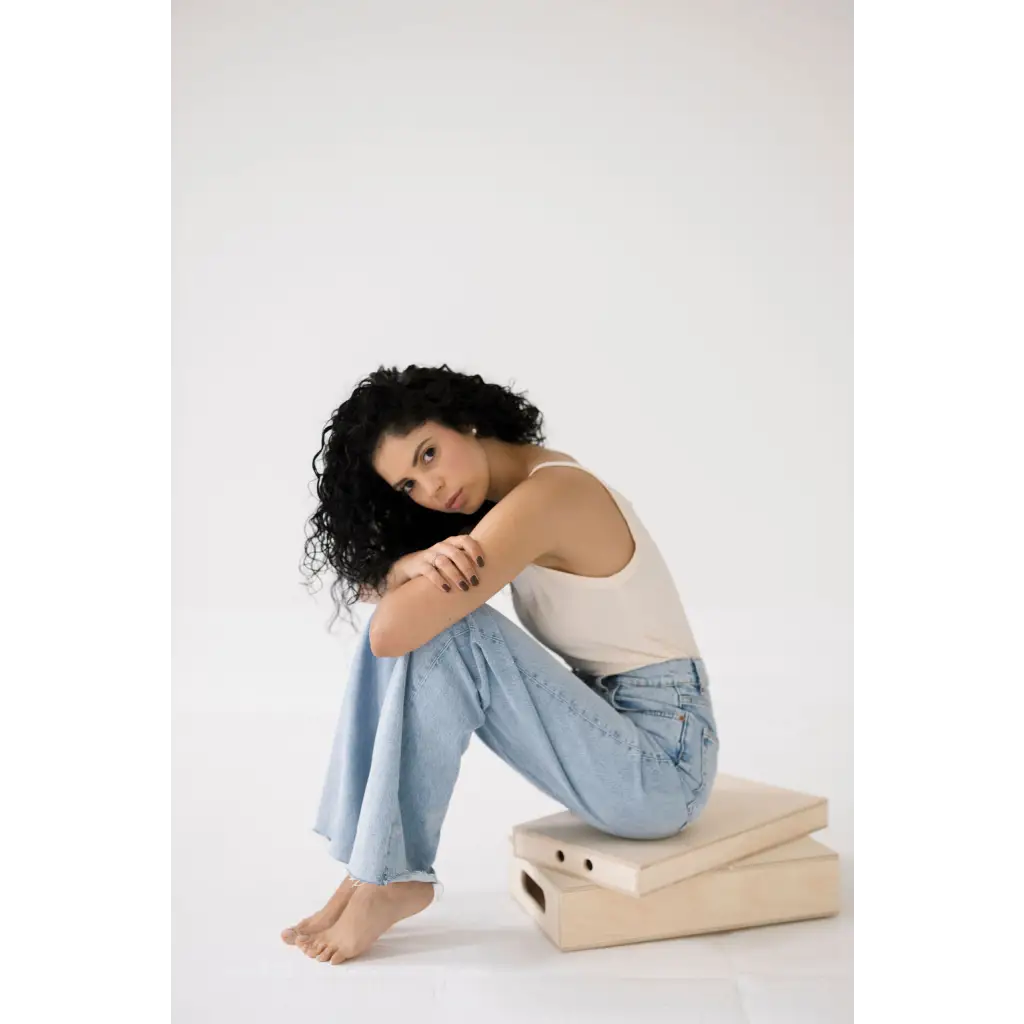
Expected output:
{"points": [[602, 625]]}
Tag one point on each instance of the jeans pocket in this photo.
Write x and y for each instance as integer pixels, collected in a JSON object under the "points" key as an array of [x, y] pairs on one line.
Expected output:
{"points": [[657, 710]]}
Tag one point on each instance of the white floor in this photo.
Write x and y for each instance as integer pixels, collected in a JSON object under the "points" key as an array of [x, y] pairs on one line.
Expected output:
{"points": [[246, 865]]}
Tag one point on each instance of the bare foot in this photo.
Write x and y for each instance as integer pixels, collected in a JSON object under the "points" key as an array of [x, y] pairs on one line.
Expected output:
{"points": [[371, 911], [322, 918]]}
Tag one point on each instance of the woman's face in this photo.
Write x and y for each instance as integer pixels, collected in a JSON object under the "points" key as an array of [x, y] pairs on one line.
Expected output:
{"points": [[432, 463]]}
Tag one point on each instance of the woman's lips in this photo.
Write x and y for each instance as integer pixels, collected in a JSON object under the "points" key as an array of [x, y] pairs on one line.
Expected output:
{"points": [[457, 501]]}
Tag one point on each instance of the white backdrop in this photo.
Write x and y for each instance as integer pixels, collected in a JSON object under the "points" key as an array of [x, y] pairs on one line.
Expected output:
{"points": [[640, 213]]}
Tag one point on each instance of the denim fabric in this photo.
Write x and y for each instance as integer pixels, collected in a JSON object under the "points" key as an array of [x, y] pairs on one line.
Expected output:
{"points": [[633, 754]]}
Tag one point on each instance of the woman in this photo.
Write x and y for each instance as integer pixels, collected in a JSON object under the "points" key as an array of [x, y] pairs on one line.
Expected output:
{"points": [[436, 492]]}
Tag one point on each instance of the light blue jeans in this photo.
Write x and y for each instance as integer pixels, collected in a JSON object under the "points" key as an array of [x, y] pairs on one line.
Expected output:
{"points": [[633, 754]]}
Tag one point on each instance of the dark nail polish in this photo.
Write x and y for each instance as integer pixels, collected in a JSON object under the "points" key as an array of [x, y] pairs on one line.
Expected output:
{"points": [[464, 584], [479, 561], [474, 581], [446, 587]]}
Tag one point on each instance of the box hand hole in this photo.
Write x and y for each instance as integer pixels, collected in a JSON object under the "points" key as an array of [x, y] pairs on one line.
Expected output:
{"points": [[533, 890]]}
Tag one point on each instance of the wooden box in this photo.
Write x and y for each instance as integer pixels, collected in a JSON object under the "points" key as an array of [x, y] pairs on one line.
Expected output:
{"points": [[795, 881], [741, 818]]}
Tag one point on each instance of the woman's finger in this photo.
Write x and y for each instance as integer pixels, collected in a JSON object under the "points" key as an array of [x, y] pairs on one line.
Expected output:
{"points": [[473, 552], [462, 562], [440, 580], [472, 548], [448, 566]]}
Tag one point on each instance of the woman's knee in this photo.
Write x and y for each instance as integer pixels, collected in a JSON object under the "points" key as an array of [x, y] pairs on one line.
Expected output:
{"points": [[481, 620]]}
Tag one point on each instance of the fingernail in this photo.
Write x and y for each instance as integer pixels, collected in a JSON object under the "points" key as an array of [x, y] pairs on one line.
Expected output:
{"points": [[474, 580], [464, 584], [446, 587], [479, 561]]}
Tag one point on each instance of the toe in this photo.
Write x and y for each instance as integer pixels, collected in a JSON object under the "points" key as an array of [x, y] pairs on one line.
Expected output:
{"points": [[338, 958], [289, 935], [327, 953]]}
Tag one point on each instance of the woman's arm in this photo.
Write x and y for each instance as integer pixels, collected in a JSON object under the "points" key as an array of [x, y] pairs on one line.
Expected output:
{"points": [[531, 520]]}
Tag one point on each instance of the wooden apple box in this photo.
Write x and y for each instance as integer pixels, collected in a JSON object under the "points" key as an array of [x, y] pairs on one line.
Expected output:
{"points": [[794, 881], [741, 818]]}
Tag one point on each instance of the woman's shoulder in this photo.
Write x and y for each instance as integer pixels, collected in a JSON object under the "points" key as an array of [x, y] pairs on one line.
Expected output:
{"points": [[560, 483], [545, 487], [594, 538]]}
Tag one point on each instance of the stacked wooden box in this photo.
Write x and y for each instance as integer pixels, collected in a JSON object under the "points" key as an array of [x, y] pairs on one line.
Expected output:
{"points": [[748, 860]]}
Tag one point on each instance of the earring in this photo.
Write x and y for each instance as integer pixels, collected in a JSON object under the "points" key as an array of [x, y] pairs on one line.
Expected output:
{"points": [[474, 430]]}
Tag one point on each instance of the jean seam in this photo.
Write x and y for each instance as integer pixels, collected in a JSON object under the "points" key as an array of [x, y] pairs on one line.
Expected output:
{"points": [[596, 725], [683, 717], [698, 792], [454, 634], [691, 678], [387, 852], [414, 686]]}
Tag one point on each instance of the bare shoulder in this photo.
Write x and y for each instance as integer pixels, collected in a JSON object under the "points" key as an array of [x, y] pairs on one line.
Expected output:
{"points": [[590, 535], [557, 483], [536, 515], [544, 495], [567, 501]]}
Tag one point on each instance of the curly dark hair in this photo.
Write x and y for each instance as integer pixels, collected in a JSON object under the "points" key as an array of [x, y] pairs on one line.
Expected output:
{"points": [[362, 525]]}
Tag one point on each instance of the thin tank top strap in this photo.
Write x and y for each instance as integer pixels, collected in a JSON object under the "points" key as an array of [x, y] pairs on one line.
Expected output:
{"points": [[561, 462]]}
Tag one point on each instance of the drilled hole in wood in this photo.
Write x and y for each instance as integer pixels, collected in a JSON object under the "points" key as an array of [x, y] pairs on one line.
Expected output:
{"points": [[588, 865], [560, 855]]}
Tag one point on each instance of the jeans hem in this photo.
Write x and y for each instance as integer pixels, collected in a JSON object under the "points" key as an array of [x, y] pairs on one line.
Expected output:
{"points": [[386, 878]]}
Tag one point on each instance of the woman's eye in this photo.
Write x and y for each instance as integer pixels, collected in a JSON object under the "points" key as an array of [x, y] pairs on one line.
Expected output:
{"points": [[424, 455]]}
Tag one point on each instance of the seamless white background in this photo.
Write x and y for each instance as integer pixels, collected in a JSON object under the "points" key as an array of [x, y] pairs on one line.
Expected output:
{"points": [[640, 214], [85, 428]]}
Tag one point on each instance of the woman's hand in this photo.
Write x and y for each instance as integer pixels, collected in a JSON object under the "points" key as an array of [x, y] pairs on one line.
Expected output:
{"points": [[449, 563]]}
